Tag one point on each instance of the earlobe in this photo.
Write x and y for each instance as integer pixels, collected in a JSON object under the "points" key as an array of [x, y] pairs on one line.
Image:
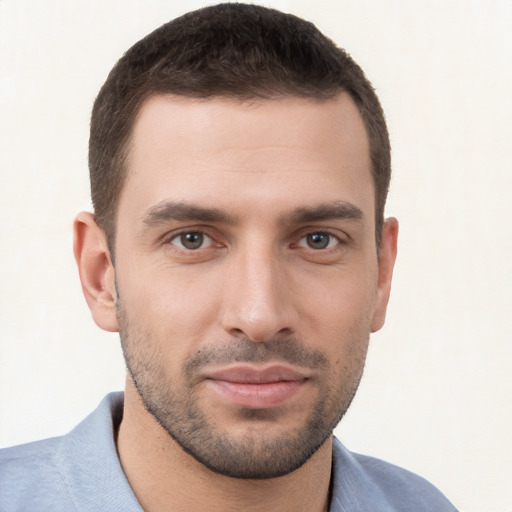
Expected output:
{"points": [[386, 263], [96, 270]]}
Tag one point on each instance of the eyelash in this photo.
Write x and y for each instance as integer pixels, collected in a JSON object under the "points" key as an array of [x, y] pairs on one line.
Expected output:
{"points": [[184, 250], [331, 237]]}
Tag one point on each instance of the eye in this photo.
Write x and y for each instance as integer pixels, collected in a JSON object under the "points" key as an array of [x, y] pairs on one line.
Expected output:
{"points": [[318, 241], [192, 240]]}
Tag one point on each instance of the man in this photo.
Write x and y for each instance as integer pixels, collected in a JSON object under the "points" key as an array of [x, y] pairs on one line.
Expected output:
{"points": [[239, 170]]}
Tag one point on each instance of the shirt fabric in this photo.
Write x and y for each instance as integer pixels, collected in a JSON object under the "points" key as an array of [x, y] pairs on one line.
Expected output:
{"points": [[81, 472]]}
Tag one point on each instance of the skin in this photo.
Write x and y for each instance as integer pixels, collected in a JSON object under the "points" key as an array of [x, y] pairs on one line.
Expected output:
{"points": [[283, 177]]}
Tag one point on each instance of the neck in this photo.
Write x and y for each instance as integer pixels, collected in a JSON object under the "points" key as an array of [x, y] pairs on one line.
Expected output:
{"points": [[165, 478]]}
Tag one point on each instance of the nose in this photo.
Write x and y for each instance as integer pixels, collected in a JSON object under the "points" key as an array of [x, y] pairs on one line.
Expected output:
{"points": [[258, 300]]}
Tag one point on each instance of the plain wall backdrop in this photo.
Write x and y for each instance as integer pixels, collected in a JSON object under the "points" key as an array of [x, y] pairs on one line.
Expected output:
{"points": [[436, 395]]}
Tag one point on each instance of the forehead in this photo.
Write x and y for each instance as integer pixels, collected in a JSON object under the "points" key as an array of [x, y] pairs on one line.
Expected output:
{"points": [[224, 150]]}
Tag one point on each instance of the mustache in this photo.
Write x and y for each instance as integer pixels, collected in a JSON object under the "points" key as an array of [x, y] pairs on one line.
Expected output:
{"points": [[243, 350]]}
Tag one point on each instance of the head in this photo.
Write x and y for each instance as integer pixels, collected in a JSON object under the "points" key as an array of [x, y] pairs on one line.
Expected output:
{"points": [[228, 51], [239, 169]]}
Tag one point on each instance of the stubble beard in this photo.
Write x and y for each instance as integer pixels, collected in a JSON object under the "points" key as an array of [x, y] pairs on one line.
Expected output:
{"points": [[257, 454]]}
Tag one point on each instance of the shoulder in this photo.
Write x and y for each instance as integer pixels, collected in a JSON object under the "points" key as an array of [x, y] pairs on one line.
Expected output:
{"points": [[378, 485], [27, 469], [78, 471]]}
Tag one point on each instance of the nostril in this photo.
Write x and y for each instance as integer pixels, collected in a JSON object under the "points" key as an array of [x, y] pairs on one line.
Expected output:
{"points": [[237, 333]]}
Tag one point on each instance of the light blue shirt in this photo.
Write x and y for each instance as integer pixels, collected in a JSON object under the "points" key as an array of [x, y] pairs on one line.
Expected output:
{"points": [[81, 472]]}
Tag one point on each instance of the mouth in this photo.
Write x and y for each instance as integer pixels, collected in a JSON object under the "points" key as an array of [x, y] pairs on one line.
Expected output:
{"points": [[254, 388]]}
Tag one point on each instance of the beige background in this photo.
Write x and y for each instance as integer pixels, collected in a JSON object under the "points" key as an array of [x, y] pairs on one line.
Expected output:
{"points": [[436, 397]]}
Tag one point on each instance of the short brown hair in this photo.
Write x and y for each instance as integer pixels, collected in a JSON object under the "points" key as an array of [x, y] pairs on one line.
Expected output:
{"points": [[228, 50]]}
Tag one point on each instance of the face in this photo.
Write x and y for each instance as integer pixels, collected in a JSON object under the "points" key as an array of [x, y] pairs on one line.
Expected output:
{"points": [[247, 277]]}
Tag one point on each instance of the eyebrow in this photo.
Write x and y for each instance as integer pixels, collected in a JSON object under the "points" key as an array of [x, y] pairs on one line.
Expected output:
{"points": [[166, 211], [327, 211]]}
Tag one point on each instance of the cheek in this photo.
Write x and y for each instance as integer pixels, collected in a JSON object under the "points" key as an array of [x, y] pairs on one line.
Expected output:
{"points": [[337, 318], [341, 302], [173, 306]]}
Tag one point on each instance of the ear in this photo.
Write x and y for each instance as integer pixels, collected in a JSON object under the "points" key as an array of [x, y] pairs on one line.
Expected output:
{"points": [[96, 270], [386, 263]]}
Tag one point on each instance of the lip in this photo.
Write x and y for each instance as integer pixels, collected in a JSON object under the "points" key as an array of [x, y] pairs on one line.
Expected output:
{"points": [[255, 388]]}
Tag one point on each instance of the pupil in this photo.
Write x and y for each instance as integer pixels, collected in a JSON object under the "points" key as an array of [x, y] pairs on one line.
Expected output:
{"points": [[318, 241], [192, 240]]}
